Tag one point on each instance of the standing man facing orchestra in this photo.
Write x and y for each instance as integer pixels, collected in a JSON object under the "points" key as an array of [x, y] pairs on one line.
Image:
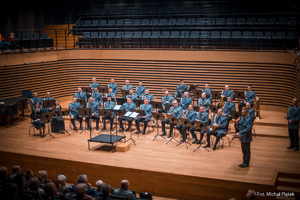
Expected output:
{"points": [[293, 118]]}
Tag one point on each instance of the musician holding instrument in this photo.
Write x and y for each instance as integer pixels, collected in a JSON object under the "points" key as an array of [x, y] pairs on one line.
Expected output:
{"points": [[148, 109], [73, 107], [111, 94], [185, 101], [175, 111], [80, 94], [48, 97], [166, 100], [97, 96], [94, 84], [245, 124], [128, 106], [249, 96], [140, 89], [108, 105], [114, 86], [95, 115], [34, 99], [203, 101], [251, 111], [36, 115], [207, 91], [132, 95], [202, 116], [191, 115], [293, 118], [217, 128], [147, 95], [227, 93], [229, 106], [180, 89], [127, 86], [57, 122]]}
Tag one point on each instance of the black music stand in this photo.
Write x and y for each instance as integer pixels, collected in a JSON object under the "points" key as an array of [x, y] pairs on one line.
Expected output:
{"points": [[158, 116], [234, 115], [197, 93], [121, 101], [64, 113], [240, 95], [156, 105], [138, 102], [117, 110], [86, 112], [187, 123], [168, 107], [197, 108], [141, 114], [193, 87], [103, 90], [213, 109], [130, 118], [82, 102], [46, 118], [201, 126], [124, 93], [215, 95], [173, 120], [48, 103], [87, 90], [104, 113]]}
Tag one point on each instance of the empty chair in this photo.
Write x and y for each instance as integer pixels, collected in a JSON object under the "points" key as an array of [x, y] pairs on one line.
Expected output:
{"points": [[230, 21], [156, 34], [225, 34], [165, 34], [240, 21], [269, 35], [220, 21], [259, 35], [110, 35], [136, 22], [181, 22], [174, 34], [247, 34], [280, 35], [103, 22], [94, 35], [261, 21], [235, 34], [210, 21], [118, 34], [87, 23], [95, 22], [86, 35], [103, 35], [290, 35], [111, 22], [283, 20], [184, 34], [29, 36], [272, 20], [215, 34], [137, 34], [152, 10], [147, 34], [203, 34], [251, 20], [128, 34], [154, 22], [127, 22], [120, 22], [191, 21], [36, 36], [294, 21], [172, 22], [194, 34], [145, 22], [163, 22], [200, 21], [44, 35]]}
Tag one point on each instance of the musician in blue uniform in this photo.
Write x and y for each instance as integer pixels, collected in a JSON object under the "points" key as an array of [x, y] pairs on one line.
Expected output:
{"points": [[148, 109], [114, 86], [249, 96], [208, 91], [73, 107], [245, 124], [293, 118], [111, 94], [180, 89], [147, 95], [175, 111], [132, 95], [227, 92], [97, 96], [34, 99], [251, 111], [229, 106], [128, 106], [48, 97], [203, 101], [219, 124], [108, 105], [166, 100], [185, 101], [127, 86], [202, 117], [95, 115], [140, 89], [94, 84], [191, 115], [80, 94]]}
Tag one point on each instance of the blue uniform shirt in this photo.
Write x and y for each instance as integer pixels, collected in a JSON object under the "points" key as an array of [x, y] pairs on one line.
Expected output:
{"points": [[249, 96], [81, 95], [139, 90], [205, 103], [127, 87], [114, 87], [148, 110], [113, 96], [133, 97], [251, 113], [33, 100], [164, 99], [203, 117], [181, 89], [294, 116], [191, 115], [208, 93], [177, 111], [222, 122], [148, 96], [228, 93], [98, 97], [129, 107], [109, 105], [227, 108], [93, 85], [185, 101], [73, 107], [95, 107]]}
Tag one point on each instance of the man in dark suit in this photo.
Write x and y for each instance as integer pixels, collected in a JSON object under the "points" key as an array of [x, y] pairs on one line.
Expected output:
{"points": [[293, 118], [124, 190], [245, 124]]}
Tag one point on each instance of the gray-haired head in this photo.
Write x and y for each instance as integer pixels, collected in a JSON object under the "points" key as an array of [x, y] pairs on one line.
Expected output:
{"points": [[62, 176], [99, 184], [15, 169], [80, 189], [45, 174], [82, 178]]}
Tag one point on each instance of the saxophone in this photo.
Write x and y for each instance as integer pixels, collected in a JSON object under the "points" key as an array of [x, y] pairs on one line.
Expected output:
{"points": [[212, 127]]}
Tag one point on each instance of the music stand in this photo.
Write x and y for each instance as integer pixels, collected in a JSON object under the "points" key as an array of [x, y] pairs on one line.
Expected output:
{"points": [[197, 108], [48, 103], [124, 93], [86, 112], [240, 95], [46, 118], [187, 123], [87, 90], [104, 113], [117, 110], [138, 102], [128, 117], [158, 116], [64, 113], [121, 101], [197, 93], [234, 115], [193, 87], [201, 126], [173, 120], [141, 114], [82, 102], [156, 105], [215, 95], [168, 107], [103, 90]]}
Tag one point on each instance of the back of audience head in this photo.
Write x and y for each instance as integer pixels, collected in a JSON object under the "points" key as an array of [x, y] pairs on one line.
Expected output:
{"points": [[106, 190], [45, 174], [34, 183], [3, 172], [41, 178], [99, 185], [29, 174], [80, 189], [125, 185], [62, 182], [82, 179], [57, 185], [20, 182], [15, 169], [251, 194], [9, 191], [50, 189]]}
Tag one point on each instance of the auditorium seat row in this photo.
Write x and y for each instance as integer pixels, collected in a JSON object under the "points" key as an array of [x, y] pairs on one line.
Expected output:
{"points": [[33, 40]]}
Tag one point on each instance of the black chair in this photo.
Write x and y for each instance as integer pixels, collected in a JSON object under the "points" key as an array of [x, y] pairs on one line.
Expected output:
{"points": [[136, 22], [127, 38], [95, 23], [214, 40], [240, 21], [163, 22], [262, 21], [236, 39], [120, 22], [200, 21], [146, 38], [272, 20], [230, 21], [165, 38], [154, 41], [191, 22], [181, 22], [220, 21], [127, 22], [193, 40], [251, 20], [154, 22], [145, 22], [136, 38], [174, 38], [103, 22]]}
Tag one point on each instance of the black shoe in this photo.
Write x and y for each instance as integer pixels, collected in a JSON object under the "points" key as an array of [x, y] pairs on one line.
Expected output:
{"points": [[81, 128], [163, 133], [74, 128], [143, 133], [111, 129], [182, 140], [296, 149], [214, 148], [241, 164], [103, 130], [198, 142], [195, 141], [244, 165], [137, 132], [206, 146], [88, 129], [121, 130], [97, 128], [127, 129], [290, 147]]}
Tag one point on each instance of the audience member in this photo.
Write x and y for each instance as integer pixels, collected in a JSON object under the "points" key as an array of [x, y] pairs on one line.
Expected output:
{"points": [[3, 175], [124, 190], [9, 191], [41, 179], [99, 185], [34, 184], [80, 191], [19, 180], [106, 190], [11, 40], [50, 190], [45, 174], [83, 179], [64, 188], [251, 194]]}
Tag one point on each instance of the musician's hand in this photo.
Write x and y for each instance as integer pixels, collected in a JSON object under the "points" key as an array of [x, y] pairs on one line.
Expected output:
{"points": [[90, 94], [239, 119], [72, 117], [144, 117], [290, 121], [183, 111], [286, 117], [169, 113], [167, 102], [225, 115], [38, 119], [237, 133], [164, 108], [215, 125], [93, 114]]}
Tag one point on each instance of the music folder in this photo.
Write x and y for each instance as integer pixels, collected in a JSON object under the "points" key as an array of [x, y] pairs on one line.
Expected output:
{"points": [[239, 94], [141, 112], [156, 105], [63, 113], [201, 125], [215, 94], [82, 102], [48, 103], [118, 108], [85, 111], [104, 112]]}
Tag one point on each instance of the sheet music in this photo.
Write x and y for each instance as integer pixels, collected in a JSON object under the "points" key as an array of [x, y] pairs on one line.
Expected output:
{"points": [[117, 107], [134, 114], [127, 114]]}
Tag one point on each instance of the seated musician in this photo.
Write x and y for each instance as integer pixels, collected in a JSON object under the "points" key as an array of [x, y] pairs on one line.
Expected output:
{"points": [[114, 86], [219, 125], [227, 92], [132, 95], [251, 111], [128, 106], [229, 106], [180, 89], [203, 101], [127, 86], [80, 94], [207, 90], [147, 95], [94, 84], [97, 96], [140, 89], [34, 99], [111, 94], [36, 115], [175, 111], [191, 115], [95, 115], [148, 109], [48, 97], [73, 107], [249, 96], [166, 100], [108, 105], [185, 101], [202, 117], [57, 122]]}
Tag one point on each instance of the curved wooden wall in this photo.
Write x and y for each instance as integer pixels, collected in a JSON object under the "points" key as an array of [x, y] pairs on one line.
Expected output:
{"points": [[275, 84]]}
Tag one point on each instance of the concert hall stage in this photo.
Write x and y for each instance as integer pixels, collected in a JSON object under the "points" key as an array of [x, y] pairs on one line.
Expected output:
{"points": [[164, 170]]}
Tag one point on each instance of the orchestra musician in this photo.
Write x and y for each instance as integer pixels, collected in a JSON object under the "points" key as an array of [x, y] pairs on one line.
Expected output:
{"points": [[148, 109], [114, 86], [202, 117], [132, 95], [34, 99], [148, 96], [207, 91], [245, 124], [293, 118], [57, 122], [140, 89], [80, 94], [249, 96], [94, 84], [203, 101], [166, 100], [180, 89], [128, 106], [73, 107], [97, 96], [218, 128], [111, 94], [127, 86], [175, 111], [229, 106], [36, 115], [251, 111], [191, 115], [108, 105], [48, 97], [185, 101], [95, 115], [227, 92]]}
